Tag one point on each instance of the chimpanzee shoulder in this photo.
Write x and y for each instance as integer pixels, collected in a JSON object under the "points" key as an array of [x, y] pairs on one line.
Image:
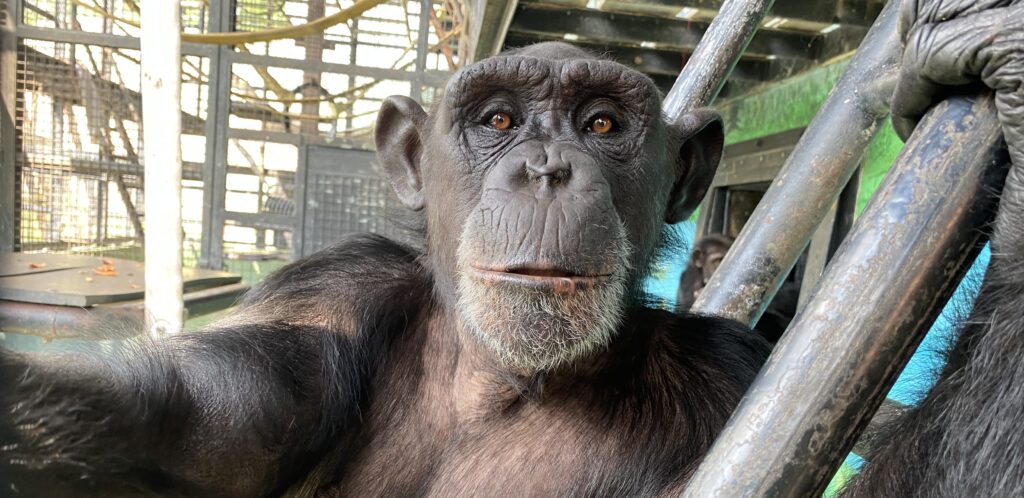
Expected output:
{"points": [[355, 260], [684, 354], [720, 343], [351, 285], [732, 346], [705, 360]]}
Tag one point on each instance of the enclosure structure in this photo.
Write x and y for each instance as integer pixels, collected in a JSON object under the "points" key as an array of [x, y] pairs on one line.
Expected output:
{"points": [[275, 132], [276, 146]]}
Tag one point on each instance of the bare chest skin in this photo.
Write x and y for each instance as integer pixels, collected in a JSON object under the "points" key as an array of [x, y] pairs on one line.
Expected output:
{"points": [[452, 427]]}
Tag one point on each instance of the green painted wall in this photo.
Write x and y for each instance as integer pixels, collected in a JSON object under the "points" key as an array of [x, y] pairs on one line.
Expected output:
{"points": [[792, 103]]}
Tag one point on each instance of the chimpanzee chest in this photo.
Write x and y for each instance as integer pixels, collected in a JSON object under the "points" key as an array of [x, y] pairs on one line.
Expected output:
{"points": [[537, 452]]}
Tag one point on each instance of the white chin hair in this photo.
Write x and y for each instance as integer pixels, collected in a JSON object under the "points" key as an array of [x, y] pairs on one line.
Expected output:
{"points": [[536, 329]]}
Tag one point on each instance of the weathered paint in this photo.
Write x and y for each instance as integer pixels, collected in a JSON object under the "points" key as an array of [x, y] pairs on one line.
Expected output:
{"points": [[815, 173], [792, 103], [784, 105], [827, 374]]}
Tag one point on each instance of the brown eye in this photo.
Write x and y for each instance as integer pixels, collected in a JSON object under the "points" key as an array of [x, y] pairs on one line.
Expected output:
{"points": [[602, 124], [501, 121]]}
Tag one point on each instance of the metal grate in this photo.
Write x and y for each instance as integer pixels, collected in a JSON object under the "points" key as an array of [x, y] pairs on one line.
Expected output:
{"points": [[79, 143], [346, 204], [344, 194], [78, 185], [116, 17]]}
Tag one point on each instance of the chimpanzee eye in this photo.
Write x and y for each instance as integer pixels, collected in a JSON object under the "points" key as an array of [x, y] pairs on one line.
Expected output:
{"points": [[601, 124], [500, 121]]}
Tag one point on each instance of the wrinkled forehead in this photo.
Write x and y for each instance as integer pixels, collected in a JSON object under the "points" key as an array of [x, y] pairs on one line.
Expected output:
{"points": [[552, 80]]}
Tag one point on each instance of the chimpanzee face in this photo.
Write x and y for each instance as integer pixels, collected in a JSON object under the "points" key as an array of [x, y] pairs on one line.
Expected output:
{"points": [[546, 177]]}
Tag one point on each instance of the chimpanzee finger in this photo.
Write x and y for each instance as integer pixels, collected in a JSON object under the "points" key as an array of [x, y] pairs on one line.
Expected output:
{"points": [[939, 56], [916, 12], [1008, 235]]}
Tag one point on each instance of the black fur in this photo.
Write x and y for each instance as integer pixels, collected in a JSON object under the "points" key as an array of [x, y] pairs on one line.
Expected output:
{"points": [[356, 372], [250, 407], [964, 439], [240, 409]]}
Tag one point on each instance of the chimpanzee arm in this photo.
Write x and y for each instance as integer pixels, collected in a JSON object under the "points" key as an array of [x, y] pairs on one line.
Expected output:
{"points": [[241, 409]]}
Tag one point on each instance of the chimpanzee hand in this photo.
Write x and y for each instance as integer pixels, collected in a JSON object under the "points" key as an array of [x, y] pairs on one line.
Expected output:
{"points": [[951, 43]]}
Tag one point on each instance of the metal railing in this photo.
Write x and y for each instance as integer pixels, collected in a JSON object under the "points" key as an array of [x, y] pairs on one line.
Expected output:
{"points": [[883, 289]]}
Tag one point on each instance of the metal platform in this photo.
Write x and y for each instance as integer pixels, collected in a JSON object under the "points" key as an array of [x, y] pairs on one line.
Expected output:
{"points": [[76, 296]]}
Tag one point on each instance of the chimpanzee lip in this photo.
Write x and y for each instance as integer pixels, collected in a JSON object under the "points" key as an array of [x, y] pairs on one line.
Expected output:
{"points": [[543, 276]]}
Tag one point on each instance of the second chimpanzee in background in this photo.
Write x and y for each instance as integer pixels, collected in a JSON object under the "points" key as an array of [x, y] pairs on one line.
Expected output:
{"points": [[707, 254]]}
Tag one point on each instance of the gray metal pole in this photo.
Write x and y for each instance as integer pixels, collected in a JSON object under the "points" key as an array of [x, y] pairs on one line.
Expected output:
{"points": [[715, 56], [8, 129], [885, 286], [810, 182], [211, 245], [422, 44]]}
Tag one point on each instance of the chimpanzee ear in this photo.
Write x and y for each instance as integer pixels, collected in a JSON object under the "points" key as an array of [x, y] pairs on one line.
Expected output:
{"points": [[700, 137], [399, 147], [698, 258]]}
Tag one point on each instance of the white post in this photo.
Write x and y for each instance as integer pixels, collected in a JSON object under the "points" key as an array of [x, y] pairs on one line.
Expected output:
{"points": [[161, 135]]}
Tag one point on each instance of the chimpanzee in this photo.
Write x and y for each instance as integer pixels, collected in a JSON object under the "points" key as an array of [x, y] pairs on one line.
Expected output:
{"points": [[707, 254], [514, 356], [705, 257]]}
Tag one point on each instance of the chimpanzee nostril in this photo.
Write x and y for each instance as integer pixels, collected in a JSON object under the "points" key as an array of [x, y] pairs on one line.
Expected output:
{"points": [[552, 170]]}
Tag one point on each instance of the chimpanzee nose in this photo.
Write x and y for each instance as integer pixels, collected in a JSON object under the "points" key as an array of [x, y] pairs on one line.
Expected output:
{"points": [[549, 166]]}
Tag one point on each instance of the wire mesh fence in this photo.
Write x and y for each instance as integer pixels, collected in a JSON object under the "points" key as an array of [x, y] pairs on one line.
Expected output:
{"points": [[249, 113]]}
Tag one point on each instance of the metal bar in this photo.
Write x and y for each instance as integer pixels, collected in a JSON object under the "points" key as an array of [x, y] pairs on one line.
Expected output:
{"points": [[102, 40], [433, 77], [299, 221], [815, 173], [422, 44], [69, 322], [211, 245], [296, 139], [828, 237], [715, 56], [660, 62], [104, 321], [262, 220], [161, 127], [8, 130], [676, 35], [798, 10], [487, 24], [314, 43], [886, 285]]}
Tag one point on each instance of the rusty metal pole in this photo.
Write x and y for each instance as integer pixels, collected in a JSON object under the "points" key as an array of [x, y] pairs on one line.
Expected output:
{"points": [[810, 181], [885, 286], [715, 56]]}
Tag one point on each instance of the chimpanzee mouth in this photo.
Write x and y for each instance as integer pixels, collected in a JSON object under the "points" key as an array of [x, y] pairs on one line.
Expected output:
{"points": [[539, 276]]}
